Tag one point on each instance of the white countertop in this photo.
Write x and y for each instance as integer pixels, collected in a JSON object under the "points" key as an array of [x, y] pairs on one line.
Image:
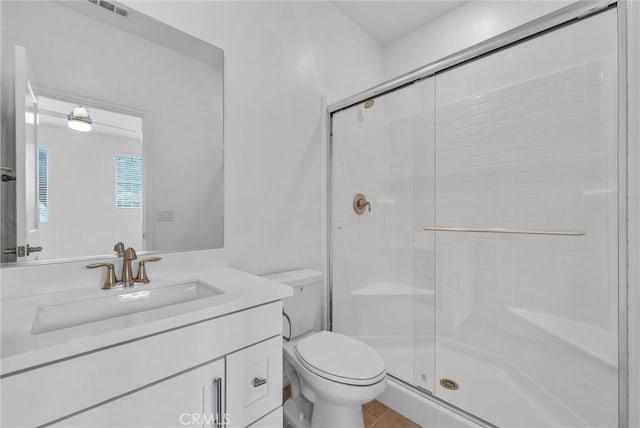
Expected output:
{"points": [[20, 349]]}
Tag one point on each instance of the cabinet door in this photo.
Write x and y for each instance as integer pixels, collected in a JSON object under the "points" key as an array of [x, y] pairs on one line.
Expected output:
{"points": [[254, 386], [187, 399]]}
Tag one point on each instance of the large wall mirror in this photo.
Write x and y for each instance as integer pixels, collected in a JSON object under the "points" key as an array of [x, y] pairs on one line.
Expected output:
{"points": [[112, 130]]}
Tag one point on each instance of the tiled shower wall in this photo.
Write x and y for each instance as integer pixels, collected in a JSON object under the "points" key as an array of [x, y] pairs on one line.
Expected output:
{"points": [[542, 155]]}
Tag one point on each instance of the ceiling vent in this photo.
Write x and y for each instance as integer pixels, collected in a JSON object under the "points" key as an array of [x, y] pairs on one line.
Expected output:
{"points": [[122, 12], [111, 7]]}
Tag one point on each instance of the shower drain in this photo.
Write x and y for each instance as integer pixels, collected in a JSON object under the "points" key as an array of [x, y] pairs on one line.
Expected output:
{"points": [[449, 384]]}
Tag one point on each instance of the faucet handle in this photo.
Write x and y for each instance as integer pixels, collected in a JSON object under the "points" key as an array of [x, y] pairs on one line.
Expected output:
{"points": [[119, 249], [142, 270], [130, 254], [360, 203], [111, 281]]}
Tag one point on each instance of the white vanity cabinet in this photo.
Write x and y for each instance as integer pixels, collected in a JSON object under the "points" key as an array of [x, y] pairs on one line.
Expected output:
{"points": [[171, 378]]}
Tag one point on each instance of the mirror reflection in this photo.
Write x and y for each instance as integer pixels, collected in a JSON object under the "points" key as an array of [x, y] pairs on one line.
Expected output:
{"points": [[114, 137]]}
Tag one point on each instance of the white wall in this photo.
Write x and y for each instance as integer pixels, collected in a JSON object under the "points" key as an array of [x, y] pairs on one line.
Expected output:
{"points": [[82, 171], [281, 59], [461, 28]]}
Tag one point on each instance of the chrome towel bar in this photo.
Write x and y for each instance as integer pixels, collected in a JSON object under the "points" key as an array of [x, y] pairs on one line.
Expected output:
{"points": [[500, 230]]}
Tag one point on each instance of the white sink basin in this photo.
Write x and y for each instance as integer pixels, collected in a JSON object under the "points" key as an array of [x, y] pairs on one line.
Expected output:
{"points": [[127, 301]]}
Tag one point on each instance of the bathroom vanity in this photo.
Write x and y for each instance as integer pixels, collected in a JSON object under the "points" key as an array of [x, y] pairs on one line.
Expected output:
{"points": [[215, 356]]}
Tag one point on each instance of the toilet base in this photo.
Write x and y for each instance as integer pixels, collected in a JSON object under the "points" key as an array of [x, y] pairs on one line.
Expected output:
{"points": [[297, 412], [328, 415]]}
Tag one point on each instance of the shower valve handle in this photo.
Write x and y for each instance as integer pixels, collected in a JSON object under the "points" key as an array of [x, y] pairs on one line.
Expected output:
{"points": [[360, 204]]}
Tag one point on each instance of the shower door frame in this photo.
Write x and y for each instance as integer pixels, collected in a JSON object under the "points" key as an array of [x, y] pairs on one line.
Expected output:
{"points": [[564, 16]]}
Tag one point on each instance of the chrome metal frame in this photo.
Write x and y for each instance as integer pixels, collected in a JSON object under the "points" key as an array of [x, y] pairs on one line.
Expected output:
{"points": [[329, 275], [572, 12], [427, 395], [502, 230], [623, 218], [568, 14]]}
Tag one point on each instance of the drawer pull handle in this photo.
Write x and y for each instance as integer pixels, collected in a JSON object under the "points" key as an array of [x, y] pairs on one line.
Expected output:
{"points": [[216, 401], [258, 381]]}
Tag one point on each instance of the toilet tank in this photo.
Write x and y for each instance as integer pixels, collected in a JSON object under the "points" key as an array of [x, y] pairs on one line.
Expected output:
{"points": [[304, 307]]}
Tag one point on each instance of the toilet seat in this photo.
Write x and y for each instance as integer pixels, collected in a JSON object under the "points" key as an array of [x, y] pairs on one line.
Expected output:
{"points": [[341, 359]]}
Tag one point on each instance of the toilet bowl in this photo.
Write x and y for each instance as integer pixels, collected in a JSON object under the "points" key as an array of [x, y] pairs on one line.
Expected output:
{"points": [[331, 375], [338, 374]]}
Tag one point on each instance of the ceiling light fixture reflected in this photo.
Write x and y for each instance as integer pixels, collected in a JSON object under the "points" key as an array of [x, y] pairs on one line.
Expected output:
{"points": [[79, 119]]}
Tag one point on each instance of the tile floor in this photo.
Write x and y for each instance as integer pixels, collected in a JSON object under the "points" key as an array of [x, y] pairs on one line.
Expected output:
{"points": [[376, 415]]}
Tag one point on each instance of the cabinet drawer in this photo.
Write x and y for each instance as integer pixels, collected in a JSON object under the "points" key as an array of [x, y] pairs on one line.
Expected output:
{"points": [[254, 382]]}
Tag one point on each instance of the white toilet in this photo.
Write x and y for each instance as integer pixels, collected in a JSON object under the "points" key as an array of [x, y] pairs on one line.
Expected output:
{"points": [[331, 375]]}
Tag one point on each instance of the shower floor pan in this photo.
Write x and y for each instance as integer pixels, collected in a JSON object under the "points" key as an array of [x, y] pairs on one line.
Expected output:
{"points": [[489, 386]]}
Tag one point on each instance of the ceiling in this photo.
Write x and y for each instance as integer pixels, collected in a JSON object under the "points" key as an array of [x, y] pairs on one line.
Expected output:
{"points": [[388, 20]]}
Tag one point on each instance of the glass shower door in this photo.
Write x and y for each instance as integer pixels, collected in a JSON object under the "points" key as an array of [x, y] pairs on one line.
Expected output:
{"points": [[372, 274], [484, 266], [524, 234], [424, 251]]}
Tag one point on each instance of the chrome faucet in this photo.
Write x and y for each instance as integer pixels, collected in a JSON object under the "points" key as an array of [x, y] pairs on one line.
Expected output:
{"points": [[127, 274]]}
